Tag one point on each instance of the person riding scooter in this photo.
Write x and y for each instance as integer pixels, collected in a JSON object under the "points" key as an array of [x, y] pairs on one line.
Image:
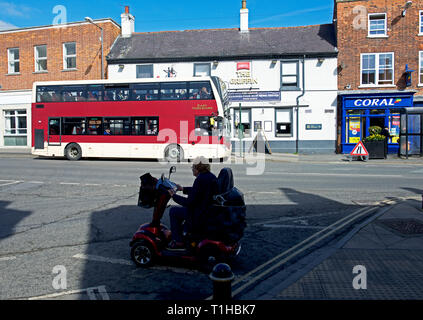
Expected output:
{"points": [[191, 218]]}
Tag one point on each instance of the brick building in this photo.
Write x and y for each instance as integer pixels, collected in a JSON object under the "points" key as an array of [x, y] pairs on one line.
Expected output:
{"points": [[47, 53], [380, 66]]}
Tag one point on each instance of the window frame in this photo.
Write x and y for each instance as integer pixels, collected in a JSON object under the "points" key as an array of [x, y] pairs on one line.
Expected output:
{"points": [[66, 56], [202, 64], [10, 62], [421, 23], [236, 130], [144, 65], [377, 70], [297, 75], [37, 58], [420, 68], [291, 116], [385, 34], [16, 117]]}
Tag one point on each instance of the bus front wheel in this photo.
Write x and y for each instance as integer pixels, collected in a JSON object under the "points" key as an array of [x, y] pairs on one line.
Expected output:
{"points": [[174, 153], [73, 152]]}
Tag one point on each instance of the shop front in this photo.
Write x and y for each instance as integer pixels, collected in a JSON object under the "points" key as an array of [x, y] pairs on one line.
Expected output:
{"points": [[362, 111]]}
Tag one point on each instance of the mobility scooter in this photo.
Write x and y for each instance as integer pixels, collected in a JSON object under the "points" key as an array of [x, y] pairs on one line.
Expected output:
{"points": [[218, 243]]}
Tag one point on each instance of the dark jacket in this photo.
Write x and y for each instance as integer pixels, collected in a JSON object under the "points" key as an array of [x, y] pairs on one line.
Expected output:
{"points": [[199, 201]]}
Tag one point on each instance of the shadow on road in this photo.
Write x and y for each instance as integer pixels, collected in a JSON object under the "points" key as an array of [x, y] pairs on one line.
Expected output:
{"points": [[9, 218], [111, 231]]}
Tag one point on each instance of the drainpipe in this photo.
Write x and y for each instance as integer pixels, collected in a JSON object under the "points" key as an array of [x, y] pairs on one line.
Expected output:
{"points": [[298, 108]]}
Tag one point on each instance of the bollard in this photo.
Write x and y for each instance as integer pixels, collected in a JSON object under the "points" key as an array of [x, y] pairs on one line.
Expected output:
{"points": [[222, 277]]}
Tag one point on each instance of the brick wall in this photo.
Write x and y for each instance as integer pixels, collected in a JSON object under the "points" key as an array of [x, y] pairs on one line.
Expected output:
{"points": [[88, 50], [403, 40]]}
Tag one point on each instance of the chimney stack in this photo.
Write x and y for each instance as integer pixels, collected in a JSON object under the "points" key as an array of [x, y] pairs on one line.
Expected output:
{"points": [[128, 23], [244, 17]]}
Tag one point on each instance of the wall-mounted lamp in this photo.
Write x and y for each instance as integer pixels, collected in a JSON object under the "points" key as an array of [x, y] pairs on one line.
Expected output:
{"points": [[274, 61], [121, 66], [215, 63], [321, 60], [406, 7]]}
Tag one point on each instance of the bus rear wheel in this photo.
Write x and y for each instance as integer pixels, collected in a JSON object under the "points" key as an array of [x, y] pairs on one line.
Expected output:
{"points": [[73, 152], [174, 153]]}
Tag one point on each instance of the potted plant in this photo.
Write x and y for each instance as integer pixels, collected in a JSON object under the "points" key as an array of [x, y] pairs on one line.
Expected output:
{"points": [[375, 143]]}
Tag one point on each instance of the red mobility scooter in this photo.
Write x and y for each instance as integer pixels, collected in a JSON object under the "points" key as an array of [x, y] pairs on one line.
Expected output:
{"points": [[219, 243]]}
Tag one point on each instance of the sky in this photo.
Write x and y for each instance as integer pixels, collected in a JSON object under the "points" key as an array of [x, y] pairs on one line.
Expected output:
{"points": [[166, 15]]}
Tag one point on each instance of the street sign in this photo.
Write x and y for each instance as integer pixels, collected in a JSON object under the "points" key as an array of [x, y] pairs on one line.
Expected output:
{"points": [[359, 150]]}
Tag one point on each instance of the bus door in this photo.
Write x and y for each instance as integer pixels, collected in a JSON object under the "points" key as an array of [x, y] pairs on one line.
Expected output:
{"points": [[54, 137]]}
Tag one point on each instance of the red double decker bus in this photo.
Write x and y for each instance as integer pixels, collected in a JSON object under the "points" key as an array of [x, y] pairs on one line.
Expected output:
{"points": [[172, 119]]}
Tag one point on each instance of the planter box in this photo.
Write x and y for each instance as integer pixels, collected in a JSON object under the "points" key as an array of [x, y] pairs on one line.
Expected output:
{"points": [[376, 149]]}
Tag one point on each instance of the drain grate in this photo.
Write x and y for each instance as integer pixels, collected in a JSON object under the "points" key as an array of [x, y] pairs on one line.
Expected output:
{"points": [[404, 226]]}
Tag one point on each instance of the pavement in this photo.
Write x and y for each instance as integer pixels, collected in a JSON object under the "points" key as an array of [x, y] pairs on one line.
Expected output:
{"points": [[275, 157], [381, 259]]}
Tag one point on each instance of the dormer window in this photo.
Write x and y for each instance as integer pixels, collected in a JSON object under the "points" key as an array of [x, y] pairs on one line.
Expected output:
{"points": [[377, 25]]}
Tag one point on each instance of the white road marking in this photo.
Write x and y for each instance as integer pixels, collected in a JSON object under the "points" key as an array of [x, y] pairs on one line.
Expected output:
{"points": [[7, 258], [70, 183], [102, 259], [10, 183], [130, 263], [36, 182], [90, 292], [287, 226]]}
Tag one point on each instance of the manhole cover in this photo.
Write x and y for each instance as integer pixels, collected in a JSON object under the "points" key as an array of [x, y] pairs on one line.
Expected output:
{"points": [[404, 226]]}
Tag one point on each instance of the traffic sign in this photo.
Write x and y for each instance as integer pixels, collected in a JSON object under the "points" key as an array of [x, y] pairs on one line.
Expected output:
{"points": [[359, 150]]}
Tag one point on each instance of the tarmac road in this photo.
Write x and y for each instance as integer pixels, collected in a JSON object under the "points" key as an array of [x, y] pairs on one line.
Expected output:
{"points": [[81, 215]]}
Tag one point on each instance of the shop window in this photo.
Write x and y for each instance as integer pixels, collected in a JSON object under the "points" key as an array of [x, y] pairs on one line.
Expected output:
{"points": [[284, 122], [145, 71], [377, 25], [13, 61], [290, 75], [202, 69], [40, 55], [15, 133], [69, 56], [377, 69], [244, 120]]}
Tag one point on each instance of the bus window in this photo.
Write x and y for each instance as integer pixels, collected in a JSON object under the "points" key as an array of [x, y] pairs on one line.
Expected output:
{"points": [[73, 93], [143, 92], [152, 126], [95, 93], [200, 90], [54, 127], [73, 126], [49, 94], [145, 126], [117, 126], [94, 126], [203, 126], [116, 93], [138, 126], [173, 91]]}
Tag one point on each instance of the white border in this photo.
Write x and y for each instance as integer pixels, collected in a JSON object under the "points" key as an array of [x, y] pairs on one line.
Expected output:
{"points": [[386, 26], [377, 71]]}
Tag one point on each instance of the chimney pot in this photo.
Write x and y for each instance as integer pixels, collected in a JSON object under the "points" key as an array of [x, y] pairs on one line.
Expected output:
{"points": [[126, 9]]}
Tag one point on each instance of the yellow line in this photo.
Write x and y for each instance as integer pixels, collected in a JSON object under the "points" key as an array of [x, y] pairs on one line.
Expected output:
{"points": [[352, 216]]}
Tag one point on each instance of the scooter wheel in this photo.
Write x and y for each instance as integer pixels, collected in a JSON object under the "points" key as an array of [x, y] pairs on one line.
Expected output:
{"points": [[142, 254]]}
